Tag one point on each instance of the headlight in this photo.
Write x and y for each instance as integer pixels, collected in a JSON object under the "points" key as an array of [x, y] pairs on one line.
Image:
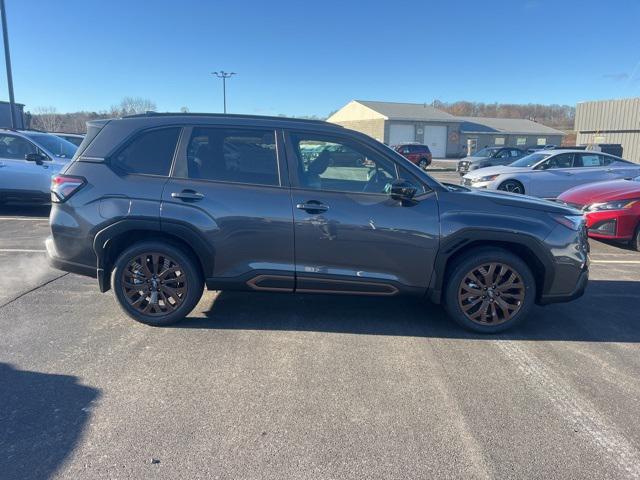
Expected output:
{"points": [[488, 178], [617, 205], [574, 222]]}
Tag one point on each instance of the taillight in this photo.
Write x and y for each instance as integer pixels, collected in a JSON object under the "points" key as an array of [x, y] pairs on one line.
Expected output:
{"points": [[63, 186]]}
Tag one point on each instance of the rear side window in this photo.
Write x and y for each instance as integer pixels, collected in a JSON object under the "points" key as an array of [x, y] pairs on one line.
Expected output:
{"points": [[92, 131], [233, 155], [589, 160], [150, 153]]}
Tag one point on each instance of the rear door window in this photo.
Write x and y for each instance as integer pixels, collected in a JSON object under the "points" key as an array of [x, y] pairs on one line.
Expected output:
{"points": [[589, 160], [150, 153], [233, 155]]}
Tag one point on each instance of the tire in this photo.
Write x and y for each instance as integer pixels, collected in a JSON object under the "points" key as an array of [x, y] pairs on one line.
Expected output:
{"points": [[635, 241], [505, 307], [176, 281], [512, 186], [423, 163]]}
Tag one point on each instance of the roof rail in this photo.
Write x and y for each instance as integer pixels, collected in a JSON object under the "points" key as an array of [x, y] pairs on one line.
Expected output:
{"points": [[225, 115]]}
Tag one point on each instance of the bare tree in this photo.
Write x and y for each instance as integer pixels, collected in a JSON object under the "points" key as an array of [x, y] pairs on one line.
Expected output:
{"points": [[47, 119], [132, 106]]}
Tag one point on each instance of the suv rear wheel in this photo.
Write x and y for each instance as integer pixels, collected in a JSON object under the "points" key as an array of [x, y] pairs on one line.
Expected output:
{"points": [[423, 163], [489, 290], [156, 283]]}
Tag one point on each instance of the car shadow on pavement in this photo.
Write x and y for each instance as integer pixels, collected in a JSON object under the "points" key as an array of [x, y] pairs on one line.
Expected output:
{"points": [[606, 313], [42, 417]]}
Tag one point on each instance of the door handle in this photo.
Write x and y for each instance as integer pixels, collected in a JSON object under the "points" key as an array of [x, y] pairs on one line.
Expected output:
{"points": [[312, 206], [188, 195]]}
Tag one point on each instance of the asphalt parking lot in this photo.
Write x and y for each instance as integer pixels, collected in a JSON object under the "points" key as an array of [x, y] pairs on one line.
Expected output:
{"points": [[283, 386]]}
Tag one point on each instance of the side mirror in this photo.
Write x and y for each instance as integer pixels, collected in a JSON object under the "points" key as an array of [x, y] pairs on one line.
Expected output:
{"points": [[401, 190], [39, 158]]}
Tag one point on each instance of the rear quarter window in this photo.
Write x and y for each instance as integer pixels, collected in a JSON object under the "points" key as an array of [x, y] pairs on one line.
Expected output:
{"points": [[149, 153]]}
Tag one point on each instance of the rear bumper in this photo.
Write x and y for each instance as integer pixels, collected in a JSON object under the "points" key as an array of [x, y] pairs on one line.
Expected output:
{"points": [[581, 285], [65, 265]]}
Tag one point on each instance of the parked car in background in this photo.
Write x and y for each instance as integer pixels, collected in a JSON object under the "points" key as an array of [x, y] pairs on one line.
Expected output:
{"points": [[541, 147], [610, 148], [611, 209], [489, 157], [416, 153], [28, 160], [156, 208], [548, 173], [75, 138]]}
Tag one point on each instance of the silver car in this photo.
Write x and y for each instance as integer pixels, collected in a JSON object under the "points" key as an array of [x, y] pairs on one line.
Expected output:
{"points": [[489, 157], [548, 173], [28, 160]]}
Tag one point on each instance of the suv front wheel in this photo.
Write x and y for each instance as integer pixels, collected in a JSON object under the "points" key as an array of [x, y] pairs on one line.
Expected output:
{"points": [[489, 290], [156, 283]]}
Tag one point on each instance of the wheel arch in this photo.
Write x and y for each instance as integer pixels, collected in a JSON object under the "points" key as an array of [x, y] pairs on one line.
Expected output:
{"points": [[526, 247], [114, 239]]}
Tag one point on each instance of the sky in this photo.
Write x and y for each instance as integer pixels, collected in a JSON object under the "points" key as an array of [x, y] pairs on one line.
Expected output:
{"points": [[302, 57]]}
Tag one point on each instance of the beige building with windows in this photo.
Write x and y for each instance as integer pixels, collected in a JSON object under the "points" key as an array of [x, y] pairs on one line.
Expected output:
{"points": [[445, 134]]}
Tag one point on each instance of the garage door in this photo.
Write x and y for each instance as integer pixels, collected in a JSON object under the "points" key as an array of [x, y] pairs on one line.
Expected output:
{"points": [[401, 133], [436, 138]]}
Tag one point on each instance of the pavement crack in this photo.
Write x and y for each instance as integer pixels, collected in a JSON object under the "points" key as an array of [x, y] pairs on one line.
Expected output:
{"points": [[27, 292]]}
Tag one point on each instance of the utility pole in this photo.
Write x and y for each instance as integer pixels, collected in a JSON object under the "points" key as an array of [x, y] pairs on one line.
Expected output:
{"points": [[223, 75], [7, 59]]}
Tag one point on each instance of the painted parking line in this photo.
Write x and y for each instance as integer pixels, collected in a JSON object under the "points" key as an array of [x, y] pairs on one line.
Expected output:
{"points": [[33, 219], [22, 250], [622, 262]]}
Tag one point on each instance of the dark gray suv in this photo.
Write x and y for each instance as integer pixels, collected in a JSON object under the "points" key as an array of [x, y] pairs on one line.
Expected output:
{"points": [[156, 206]]}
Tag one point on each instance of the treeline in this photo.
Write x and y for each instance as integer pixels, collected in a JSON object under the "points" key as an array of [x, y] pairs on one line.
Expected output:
{"points": [[49, 120], [556, 116]]}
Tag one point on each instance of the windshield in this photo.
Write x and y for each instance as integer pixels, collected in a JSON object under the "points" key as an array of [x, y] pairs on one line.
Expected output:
{"points": [[529, 160], [485, 152], [59, 147]]}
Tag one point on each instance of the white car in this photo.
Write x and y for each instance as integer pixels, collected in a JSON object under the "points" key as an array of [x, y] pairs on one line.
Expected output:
{"points": [[548, 173], [28, 160]]}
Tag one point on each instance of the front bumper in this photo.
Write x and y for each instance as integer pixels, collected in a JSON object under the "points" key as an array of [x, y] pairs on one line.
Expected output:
{"points": [[466, 182], [614, 224], [581, 286]]}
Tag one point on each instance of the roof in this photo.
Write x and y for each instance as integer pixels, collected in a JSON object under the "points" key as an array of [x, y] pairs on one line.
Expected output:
{"points": [[506, 125], [408, 111], [4, 102], [230, 116]]}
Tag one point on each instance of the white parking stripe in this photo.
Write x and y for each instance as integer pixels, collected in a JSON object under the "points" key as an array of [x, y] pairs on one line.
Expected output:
{"points": [[577, 411], [22, 250], [615, 261], [33, 219]]}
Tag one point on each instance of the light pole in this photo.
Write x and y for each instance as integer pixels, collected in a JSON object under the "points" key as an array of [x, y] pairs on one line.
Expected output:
{"points": [[7, 59], [223, 75]]}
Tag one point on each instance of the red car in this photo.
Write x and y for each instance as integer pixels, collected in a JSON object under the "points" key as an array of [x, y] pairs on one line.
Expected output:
{"points": [[612, 209], [415, 153]]}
